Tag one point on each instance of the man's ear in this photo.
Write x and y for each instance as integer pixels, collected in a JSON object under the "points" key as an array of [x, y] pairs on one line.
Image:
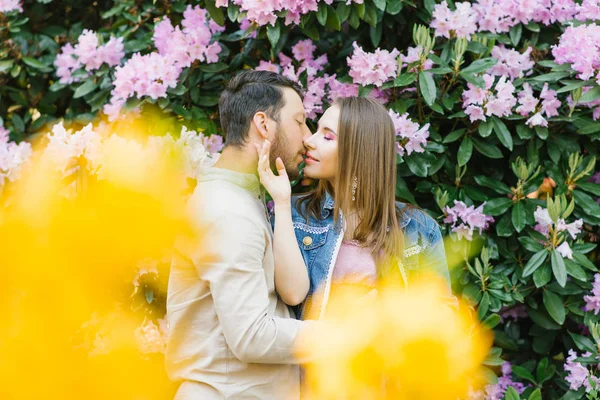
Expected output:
{"points": [[260, 122]]}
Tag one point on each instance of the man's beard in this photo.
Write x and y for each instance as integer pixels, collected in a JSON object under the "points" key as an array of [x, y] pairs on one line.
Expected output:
{"points": [[281, 148]]}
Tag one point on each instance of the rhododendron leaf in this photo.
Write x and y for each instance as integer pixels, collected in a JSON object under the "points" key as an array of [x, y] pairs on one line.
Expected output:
{"points": [[464, 151], [215, 13], [5, 66], [417, 164], [542, 319], [551, 76], [274, 33], [322, 14], [343, 11], [233, 12], [533, 26], [394, 7], [87, 87], [583, 343], [405, 79], [483, 306], [375, 34], [511, 394], [403, 192], [587, 203], [502, 133], [542, 276], [311, 31], [590, 95], [380, 4], [481, 65], [583, 260], [494, 184], [535, 262], [542, 132], [32, 62], [573, 84], [515, 34], [497, 206], [530, 244], [473, 79], [574, 270], [427, 87], [582, 248], [333, 20], [487, 149], [454, 136], [360, 9], [544, 372], [213, 68], [559, 270], [485, 128], [523, 373], [535, 395], [554, 306], [371, 16]]}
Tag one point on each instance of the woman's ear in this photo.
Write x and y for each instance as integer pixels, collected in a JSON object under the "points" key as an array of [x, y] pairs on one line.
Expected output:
{"points": [[260, 122]]}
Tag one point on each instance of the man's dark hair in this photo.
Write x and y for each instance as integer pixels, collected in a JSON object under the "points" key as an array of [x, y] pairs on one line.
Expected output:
{"points": [[248, 93]]}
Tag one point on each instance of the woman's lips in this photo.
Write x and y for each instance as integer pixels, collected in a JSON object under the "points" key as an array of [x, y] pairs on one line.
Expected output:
{"points": [[310, 160]]}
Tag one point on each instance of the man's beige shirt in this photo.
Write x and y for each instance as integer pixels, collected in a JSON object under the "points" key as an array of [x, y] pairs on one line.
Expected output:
{"points": [[230, 336]]}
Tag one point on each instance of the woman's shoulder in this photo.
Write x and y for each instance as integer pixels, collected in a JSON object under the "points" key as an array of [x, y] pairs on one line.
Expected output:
{"points": [[412, 217]]}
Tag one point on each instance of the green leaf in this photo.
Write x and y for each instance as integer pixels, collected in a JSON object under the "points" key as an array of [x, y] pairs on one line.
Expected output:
{"points": [[484, 306], [394, 7], [558, 268], [405, 79], [33, 63], [584, 261], [380, 4], [488, 150], [481, 65], [343, 11], [590, 95], [5, 66], [403, 192], [18, 122], [542, 319], [464, 151], [454, 136], [333, 20], [492, 321], [215, 13], [473, 79], [554, 306], [519, 216], [87, 87], [502, 133], [542, 276], [485, 128], [494, 184], [535, 395], [497, 206], [575, 270], [583, 343], [515, 34], [530, 244], [523, 374], [322, 14], [525, 132], [511, 393], [375, 33], [589, 187], [213, 68], [551, 76], [273, 34], [534, 262], [587, 203], [427, 86]]}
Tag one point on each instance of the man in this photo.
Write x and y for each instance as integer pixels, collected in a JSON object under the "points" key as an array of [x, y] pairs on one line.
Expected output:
{"points": [[231, 337]]}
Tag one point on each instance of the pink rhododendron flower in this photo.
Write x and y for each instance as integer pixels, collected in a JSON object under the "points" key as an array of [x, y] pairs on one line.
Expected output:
{"points": [[460, 23], [578, 374], [12, 157], [511, 63], [10, 5], [412, 138], [565, 250], [497, 391], [465, 219], [498, 101], [372, 68], [592, 302], [580, 47], [413, 54]]}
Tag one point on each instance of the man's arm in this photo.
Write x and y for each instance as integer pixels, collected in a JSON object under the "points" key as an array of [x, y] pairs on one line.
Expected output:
{"points": [[234, 271]]}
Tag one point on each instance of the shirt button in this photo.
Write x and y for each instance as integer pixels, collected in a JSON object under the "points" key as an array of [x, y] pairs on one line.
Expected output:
{"points": [[307, 240]]}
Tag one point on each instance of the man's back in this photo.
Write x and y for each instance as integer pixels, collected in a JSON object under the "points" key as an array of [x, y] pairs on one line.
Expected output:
{"points": [[230, 335]]}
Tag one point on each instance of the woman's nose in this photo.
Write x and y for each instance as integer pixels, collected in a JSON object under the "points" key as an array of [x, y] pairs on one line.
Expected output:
{"points": [[308, 143]]}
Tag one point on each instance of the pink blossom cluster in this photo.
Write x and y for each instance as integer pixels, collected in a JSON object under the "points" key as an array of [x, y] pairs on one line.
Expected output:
{"points": [[152, 74], [544, 224], [480, 103], [547, 104], [12, 157], [305, 64], [412, 138], [592, 301], [65, 147], [498, 16], [373, 68], [578, 374], [461, 22], [511, 63], [89, 54], [413, 55], [589, 10], [580, 47], [465, 219], [497, 391], [10, 5], [151, 337], [266, 12]]}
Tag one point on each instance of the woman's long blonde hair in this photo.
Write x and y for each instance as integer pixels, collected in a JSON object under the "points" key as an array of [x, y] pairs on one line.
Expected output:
{"points": [[367, 152]]}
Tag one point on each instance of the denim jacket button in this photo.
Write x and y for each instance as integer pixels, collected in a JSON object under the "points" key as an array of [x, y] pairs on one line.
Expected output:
{"points": [[307, 240]]}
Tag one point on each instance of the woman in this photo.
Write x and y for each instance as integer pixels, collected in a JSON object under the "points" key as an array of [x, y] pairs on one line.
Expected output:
{"points": [[350, 229]]}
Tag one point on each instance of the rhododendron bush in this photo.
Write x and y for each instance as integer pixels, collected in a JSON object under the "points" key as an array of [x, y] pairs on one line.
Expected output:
{"points": [[496, 106]]}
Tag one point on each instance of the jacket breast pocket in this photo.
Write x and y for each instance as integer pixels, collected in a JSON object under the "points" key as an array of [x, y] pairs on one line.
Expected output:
{"points": [[310, 240]]}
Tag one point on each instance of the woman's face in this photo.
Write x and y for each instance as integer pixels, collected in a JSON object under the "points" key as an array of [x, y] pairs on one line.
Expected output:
{"points": [[322, 147]]}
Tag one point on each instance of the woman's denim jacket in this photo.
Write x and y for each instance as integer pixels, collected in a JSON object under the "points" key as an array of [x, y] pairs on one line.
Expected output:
{"points": [[320, 241]]}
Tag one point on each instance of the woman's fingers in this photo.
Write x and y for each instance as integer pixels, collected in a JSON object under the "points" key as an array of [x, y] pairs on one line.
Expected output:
{"points": [[280, 167]]}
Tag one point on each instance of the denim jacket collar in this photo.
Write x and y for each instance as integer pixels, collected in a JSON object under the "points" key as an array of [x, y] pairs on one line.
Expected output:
{"points": [[328, 207]]}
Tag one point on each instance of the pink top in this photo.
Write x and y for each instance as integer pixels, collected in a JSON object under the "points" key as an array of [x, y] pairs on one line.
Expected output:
{"points": [[354, 265]]}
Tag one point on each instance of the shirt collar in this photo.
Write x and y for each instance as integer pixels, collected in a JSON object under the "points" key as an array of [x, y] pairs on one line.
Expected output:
{"points": [[248, 182]]}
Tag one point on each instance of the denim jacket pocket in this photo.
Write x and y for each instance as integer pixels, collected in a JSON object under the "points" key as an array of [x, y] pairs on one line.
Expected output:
{"points": [[310, 237]]}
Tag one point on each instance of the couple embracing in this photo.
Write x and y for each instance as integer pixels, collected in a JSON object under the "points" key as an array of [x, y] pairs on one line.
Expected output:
{"points": [[239, 302]]}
